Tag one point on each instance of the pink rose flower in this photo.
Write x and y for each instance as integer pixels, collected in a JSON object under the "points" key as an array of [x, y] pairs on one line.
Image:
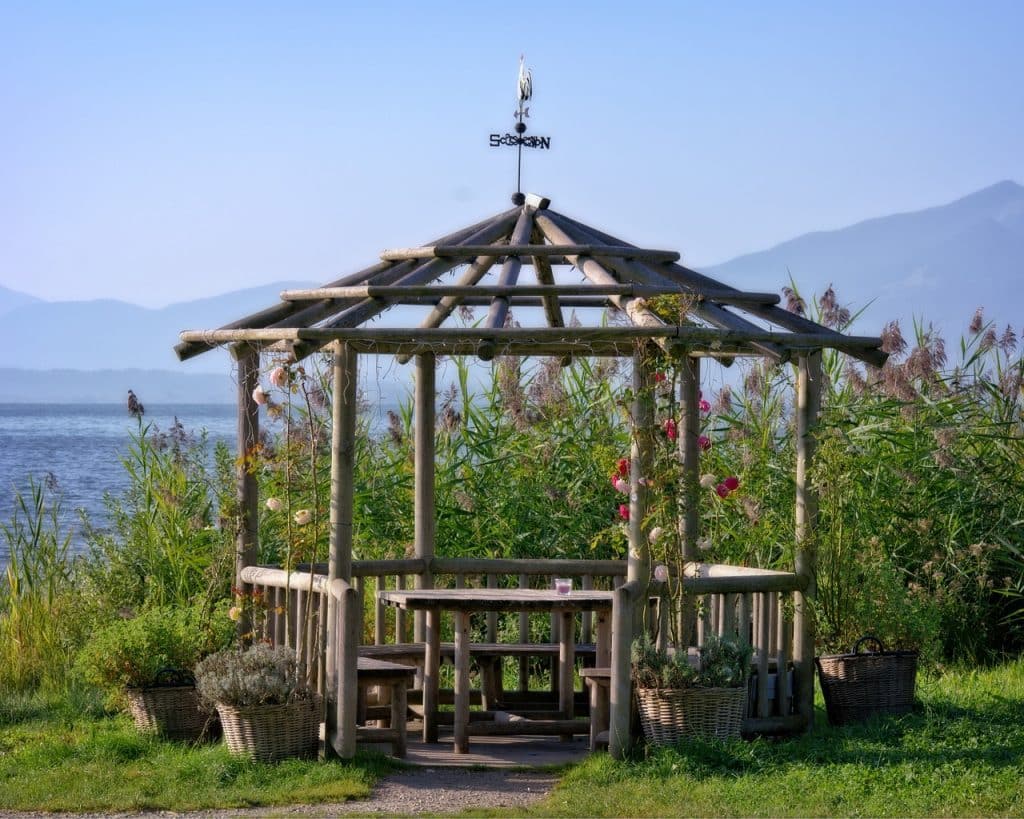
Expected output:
{"points": [[624, 511], [670, 429], [704, 405], [661, 573], [622, 486], [704, 443], [259, 396], [279, 376], [274, 504]]}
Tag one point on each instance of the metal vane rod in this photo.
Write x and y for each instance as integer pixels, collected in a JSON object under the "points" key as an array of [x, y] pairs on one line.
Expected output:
{"points": [[524, 92]]}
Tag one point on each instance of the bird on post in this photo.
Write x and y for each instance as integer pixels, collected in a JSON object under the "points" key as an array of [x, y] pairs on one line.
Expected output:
{"points": [[525, 89], [135, 408]]}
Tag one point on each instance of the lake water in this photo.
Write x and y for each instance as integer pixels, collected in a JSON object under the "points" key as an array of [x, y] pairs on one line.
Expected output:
{"points": [[81, 446]]}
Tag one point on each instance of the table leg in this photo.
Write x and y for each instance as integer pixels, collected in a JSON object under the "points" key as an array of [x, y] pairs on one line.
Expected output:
{"points": [[461, 682], [431, 671], [566, 666]]}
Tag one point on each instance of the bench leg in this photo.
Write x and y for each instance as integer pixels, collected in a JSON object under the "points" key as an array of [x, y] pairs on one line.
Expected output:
{"points": [[398, 717], [462, 682]]}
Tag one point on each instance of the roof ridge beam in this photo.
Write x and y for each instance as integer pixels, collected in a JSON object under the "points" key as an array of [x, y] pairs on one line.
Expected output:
{"points": [[498, 311], [784, 318], [634, 307], [275, 314], [368, 308]]}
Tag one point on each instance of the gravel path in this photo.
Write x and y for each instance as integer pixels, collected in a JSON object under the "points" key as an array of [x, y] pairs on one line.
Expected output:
{"points": [[405, 793]]}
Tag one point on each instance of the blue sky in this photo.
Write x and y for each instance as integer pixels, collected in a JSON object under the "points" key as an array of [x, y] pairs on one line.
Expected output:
{"points": [[159, 152]]}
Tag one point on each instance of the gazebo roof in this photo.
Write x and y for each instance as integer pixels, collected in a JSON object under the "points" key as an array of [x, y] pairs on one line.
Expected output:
{"points": [[715, 319]]}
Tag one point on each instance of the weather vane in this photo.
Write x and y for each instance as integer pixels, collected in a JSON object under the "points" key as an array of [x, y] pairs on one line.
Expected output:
{"points": [[524, 93]]}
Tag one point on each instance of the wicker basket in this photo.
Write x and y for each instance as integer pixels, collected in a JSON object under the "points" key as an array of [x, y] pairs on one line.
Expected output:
{"points": [[267, 733], [857, 686], [173, 711], [670, 714]]}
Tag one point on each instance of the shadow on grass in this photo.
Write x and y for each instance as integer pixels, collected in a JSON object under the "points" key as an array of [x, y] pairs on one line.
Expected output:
{"points": [[940, 733]]}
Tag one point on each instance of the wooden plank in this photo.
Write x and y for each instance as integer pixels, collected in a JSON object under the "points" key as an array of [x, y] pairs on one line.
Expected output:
{"points": [[522, 248], [638, 561], [565, 567]]}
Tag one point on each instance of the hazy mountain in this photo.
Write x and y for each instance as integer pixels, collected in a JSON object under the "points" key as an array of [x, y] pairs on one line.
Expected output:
{"points": [[938, 264], [108, 334], [111, 387], [12, 299]]}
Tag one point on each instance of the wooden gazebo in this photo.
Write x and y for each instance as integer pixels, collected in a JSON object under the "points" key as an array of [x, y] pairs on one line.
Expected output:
{"points": [[718, 321]]}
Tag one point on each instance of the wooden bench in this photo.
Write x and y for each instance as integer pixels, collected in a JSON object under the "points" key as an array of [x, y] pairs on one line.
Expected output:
{"points": [[488, 657], [395, 678]]}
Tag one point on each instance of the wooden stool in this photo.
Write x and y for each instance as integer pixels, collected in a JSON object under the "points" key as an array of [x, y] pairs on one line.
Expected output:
{"points": [[598, 680], [396, 679]]}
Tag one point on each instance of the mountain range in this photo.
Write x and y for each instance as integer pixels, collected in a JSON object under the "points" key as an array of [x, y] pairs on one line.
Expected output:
{"points": [[937, 265]]}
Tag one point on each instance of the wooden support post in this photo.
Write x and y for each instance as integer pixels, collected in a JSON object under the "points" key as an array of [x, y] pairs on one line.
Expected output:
{"points": [[524, 637], [808, 406], [638, 566], [461, 682], [339, 561], [567, 665], [431, 664], [247, 538], [621, 692], [341, 727], [689, 455], [424, 524]]}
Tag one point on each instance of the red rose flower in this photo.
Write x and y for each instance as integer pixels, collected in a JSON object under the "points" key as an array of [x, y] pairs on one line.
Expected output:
{"points": [[704, 443], [732, 483]]}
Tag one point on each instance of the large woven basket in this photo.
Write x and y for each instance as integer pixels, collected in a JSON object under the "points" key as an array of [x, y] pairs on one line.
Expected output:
{"points": [[858, 686], [267, 733], [173, 711], [670, 714]]}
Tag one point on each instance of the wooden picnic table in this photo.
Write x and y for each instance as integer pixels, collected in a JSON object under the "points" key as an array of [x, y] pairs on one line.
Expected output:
{"points": [[462, 603]]}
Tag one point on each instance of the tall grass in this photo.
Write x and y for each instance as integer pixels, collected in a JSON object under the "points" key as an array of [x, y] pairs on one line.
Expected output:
{"points": [[33, 652]]}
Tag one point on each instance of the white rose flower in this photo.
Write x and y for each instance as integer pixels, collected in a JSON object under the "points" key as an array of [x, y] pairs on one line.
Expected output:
{"points": [[661, 573], [259, 396], [303, 516], [274, 504], [655, 534], [708, 481]]}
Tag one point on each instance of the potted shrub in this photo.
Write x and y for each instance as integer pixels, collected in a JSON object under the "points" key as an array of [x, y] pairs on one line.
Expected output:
{"points": [[678, 699], [144, 663], [267, 712], [871, 627]]}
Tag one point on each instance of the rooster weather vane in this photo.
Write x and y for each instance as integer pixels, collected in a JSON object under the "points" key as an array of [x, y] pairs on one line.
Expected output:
{"points": [[524, 92]]}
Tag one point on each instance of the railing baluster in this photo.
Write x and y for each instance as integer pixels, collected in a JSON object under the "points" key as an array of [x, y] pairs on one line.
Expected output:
{"points": [[379, 615], [400, 633], [524, 637], [763, 637]]}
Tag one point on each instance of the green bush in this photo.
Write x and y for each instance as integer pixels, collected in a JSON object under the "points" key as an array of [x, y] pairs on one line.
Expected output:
{"points": [[133, 652]]}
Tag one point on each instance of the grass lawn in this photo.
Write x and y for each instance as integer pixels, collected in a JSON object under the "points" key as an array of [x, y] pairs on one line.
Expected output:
{"points": [[65, 757], [960, 754]]}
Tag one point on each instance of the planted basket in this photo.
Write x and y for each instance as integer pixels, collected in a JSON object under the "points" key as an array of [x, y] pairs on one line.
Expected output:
{"points": [[857, 686], [670, 714], [267, 733], [171, 708]]}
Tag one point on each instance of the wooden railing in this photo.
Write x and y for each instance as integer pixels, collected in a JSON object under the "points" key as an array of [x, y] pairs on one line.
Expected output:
{"points": [[756, 604]]}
